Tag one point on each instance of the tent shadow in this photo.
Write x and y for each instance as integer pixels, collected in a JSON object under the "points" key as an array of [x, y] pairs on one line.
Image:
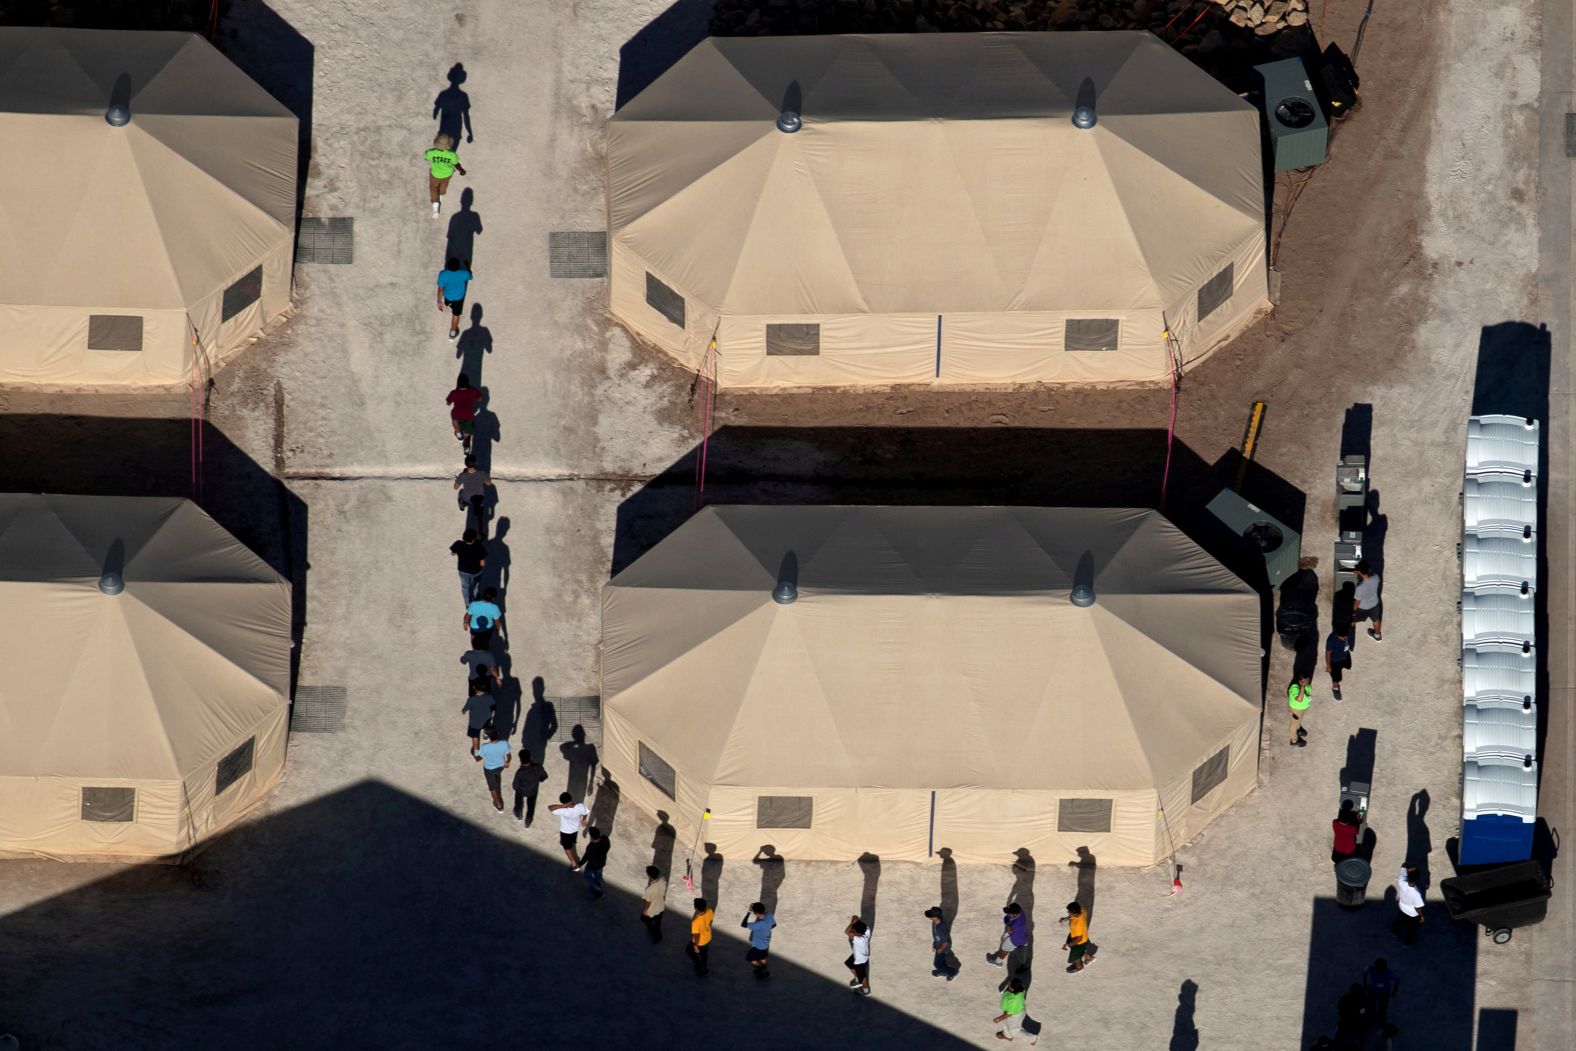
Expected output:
{"points": [[368, 918]]}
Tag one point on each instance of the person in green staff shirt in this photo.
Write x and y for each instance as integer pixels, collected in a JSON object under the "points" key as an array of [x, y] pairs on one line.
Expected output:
{"points": [[442, 163], [1298, 696]]}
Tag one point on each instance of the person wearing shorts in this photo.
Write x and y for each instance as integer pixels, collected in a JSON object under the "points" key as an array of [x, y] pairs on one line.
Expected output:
{"points": [[442, 162], [1366, 603], [699, 946], [1014, 934], [572, 817], [1299, 695], [479, 707], [453, 280], [462, 402], [858, 963], [1080, 950], [495, 759], [759, 923]]}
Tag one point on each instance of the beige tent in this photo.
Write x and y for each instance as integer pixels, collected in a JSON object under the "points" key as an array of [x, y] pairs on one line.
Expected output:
{"points": [[932, 684], [937, 218], [146, 254], [133, 723]]}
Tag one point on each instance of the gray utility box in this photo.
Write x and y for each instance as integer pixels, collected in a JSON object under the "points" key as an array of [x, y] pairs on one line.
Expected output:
{"points": [[1278, 543], [1351, 516], [1299, 134]]}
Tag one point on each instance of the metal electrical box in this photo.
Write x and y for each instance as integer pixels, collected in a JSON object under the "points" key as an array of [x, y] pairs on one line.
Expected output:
{"points": [[1299, 134], [1277, 543]]}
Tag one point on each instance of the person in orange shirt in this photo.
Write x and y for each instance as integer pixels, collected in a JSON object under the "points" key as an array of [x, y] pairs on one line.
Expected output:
{"points": [[1080, 950], [700, 936]]}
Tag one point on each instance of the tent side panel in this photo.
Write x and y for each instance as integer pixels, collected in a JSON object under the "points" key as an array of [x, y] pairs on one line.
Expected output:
{"points": [[854, 350], [42, 817], [223, 339], [1242, 774], [209, 813], [1028, 347], [1250, 300], [627, 300], [48, 347], [988, 825], [845, 823], [621, 764]]}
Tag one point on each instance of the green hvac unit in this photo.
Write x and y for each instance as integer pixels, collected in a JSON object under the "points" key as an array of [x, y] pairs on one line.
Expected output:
{"points": [[1261, 533], [1299, 133]]}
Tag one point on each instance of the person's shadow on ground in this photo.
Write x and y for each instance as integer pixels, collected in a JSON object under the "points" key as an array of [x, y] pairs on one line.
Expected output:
{"points": [[541, 719], [464, 227], [474, 344], [495, 573], [605, 809], [773, 871], [711, 874], [663, 841], [1184, 1034], [581, 756], [1020, 962], [1374, 534], [452, 108], [487, 432], [1419, 844]]}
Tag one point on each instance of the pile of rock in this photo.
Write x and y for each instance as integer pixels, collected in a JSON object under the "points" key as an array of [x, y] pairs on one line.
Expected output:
{"points": [[1183, 23]]}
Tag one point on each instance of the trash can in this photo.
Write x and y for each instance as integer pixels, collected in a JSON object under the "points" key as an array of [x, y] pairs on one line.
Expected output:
{"points": [[1351, 882]]}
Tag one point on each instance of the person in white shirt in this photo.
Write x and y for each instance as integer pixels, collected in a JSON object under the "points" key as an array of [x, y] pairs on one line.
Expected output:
{"points": [[858, 963], [572, 817], [1410, 901]]}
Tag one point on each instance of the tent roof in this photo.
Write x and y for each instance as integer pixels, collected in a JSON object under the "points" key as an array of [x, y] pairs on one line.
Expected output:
{"points": [[159, 214], [932, 648], [934, 173], [148, 684]]}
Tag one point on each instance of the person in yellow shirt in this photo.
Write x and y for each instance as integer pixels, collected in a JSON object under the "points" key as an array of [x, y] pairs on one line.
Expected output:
{"points": [[700, 936], [1080, 950]]}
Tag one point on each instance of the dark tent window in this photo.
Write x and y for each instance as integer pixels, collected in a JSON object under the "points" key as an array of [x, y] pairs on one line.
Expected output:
{"points": [[793, 340], [1210, 774], [109, 804], [784, 811], [664, 300], [1083, 815], [243, 293], [1215, 292], [656, 770], [1098, 333], [114, 332], [234, 766]]}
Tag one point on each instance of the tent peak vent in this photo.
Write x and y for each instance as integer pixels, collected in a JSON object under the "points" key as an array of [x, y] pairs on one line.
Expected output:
{"points": [[1083, 595], [111, 582], [118, 115], [1083, 117], [787, 589], [789, 122]]}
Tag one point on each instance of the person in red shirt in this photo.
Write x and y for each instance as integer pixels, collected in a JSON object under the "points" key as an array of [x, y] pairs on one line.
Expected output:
{"points": [[1345, 828], [463, 400]]}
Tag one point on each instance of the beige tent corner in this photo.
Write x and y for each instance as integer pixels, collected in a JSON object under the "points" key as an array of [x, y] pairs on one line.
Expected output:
{"points": [[937, 219], [133, 725], [932, 685], [142, 255]]}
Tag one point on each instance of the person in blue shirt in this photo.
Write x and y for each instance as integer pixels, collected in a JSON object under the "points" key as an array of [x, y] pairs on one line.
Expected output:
{"points": [[482, 617], [759, 923], [452, 282], [495, 759]]}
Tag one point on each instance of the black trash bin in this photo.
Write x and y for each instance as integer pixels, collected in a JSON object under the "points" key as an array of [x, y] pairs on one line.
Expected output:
{"points": [[1351, 882]]}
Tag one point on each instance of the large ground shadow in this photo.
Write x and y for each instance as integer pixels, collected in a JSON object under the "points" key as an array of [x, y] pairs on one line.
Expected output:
{"points": [[129, 456], [660, 43], [281, 60], [368, 918], [1438, 975]]}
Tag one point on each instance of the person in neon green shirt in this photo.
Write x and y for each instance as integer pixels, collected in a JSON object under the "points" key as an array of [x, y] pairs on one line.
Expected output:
{"points": [[1298, 696], [442, 163], [1013, 1014]]}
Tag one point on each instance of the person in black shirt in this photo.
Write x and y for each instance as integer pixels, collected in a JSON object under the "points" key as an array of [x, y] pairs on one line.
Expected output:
{"points": [[527, 781], [594, 860], [471, 555]]}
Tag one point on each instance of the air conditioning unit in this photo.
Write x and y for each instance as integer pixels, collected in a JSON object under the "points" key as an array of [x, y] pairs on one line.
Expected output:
{"points": [[1299, 134], [1273, 540]]}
